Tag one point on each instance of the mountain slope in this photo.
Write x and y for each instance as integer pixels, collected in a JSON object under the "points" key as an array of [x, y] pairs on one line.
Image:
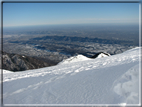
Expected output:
{"points": [[15, 62], [108, 80]]}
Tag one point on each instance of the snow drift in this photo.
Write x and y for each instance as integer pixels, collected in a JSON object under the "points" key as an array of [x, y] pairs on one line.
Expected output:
{"points": [[78, 80]]}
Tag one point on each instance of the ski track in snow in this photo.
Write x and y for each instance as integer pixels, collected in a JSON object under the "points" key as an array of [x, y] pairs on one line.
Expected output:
{"points": [[109, 80]]}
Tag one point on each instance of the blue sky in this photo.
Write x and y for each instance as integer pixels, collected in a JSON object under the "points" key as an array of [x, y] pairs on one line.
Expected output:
{"points": [[25, 14]]}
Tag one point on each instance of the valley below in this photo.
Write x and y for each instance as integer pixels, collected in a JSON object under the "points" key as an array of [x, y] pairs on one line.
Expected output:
{"points": [[53, 44]]}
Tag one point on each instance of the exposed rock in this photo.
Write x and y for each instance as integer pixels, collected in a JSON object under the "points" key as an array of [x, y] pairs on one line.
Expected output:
{"points": [[100, 54]]}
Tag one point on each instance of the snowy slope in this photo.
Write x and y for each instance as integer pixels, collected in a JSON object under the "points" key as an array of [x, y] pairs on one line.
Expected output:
{"points": [[108, 80]]}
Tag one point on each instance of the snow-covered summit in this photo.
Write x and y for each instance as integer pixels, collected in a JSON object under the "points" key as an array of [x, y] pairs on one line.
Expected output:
{"points": [[102, 54], [105, 81], [76, 58]]}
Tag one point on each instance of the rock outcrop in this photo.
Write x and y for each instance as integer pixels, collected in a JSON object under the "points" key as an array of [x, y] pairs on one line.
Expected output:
{"points": [[100, 55]]}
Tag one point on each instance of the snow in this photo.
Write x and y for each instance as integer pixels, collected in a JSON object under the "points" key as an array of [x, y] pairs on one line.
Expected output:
{"points": [[127, 85], [102, 55], [6, 71], [23, 56], [113, 80], [74, 59]]}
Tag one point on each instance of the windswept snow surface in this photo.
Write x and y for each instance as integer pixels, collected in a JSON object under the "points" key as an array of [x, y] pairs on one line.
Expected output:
{"points": [[108, 80]]}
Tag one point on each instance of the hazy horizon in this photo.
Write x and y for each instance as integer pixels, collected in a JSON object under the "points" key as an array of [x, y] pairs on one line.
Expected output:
{"points": [[88, 24]]}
